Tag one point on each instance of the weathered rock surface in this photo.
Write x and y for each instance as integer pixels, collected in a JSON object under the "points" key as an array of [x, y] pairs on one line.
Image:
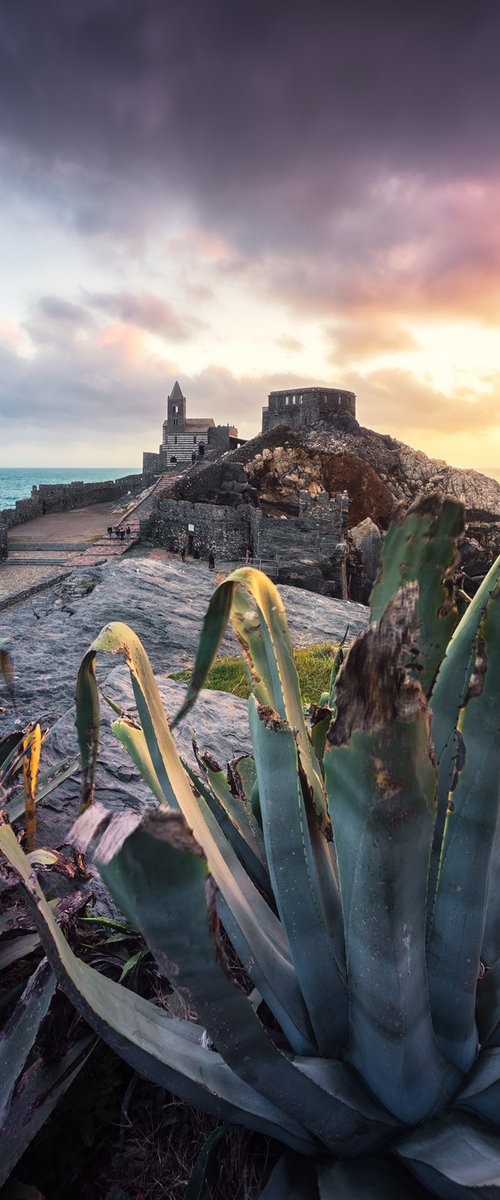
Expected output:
{"points": [[364, 559], [404, 472], [163, 601], [378, 473]]}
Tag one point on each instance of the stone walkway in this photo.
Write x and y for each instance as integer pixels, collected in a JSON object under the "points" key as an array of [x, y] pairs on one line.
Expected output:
{"points": [[49, 547]]}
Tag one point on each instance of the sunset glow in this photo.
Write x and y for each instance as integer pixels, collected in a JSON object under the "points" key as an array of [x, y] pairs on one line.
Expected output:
{"points": [[246, 197]]}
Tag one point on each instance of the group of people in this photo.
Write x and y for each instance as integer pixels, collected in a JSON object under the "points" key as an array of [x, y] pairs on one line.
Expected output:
{"points": [[119, 531]]}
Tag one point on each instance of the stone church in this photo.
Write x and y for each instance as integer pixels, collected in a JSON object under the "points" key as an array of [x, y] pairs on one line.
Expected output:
{"points": [[186, 440]]}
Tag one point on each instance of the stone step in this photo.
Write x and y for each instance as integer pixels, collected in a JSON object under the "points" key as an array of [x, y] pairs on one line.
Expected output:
{"points": [[23, 560], [46, 547]]}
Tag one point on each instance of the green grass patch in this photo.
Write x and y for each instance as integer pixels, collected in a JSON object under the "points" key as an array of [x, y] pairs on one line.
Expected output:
{"points": [[314, 664]]}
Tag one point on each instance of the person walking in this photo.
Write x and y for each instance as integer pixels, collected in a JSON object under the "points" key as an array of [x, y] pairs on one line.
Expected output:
{"points": [[128, 531], [211, 561], [183, 553]]}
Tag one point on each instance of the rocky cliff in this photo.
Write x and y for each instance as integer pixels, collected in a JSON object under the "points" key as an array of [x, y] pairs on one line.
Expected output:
{"points": [[379, 474]]}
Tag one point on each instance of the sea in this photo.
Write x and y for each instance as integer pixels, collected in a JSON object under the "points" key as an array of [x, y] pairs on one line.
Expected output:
{"points": [[16, 482]]}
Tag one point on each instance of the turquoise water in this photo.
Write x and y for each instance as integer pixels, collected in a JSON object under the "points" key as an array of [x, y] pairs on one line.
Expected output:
{"points": [[16, 482]]}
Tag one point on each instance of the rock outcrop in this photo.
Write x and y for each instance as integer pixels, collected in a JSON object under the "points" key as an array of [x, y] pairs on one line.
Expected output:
{"points": [[165, 603], [379, 474]]}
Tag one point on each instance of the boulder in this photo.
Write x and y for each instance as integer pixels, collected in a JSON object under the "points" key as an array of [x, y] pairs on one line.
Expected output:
{"points": [[367, 539]]}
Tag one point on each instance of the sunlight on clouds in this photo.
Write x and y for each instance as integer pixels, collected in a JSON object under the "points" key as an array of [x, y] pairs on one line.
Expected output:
{"points": [[15, 338], [130, 342], [456, 354]]}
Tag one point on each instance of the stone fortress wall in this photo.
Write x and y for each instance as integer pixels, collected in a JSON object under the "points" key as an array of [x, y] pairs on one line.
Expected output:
{"points": [[61, 497], [223, 515], [305, 408]]}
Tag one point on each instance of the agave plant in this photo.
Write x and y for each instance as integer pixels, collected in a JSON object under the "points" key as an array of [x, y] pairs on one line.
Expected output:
{"points": [[353, 864], [30, 1084]]}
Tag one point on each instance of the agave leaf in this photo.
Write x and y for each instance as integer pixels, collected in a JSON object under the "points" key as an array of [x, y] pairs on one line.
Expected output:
{"points": [[381, 785], [259, 925], [8, 746], [260, 971], [47, 783], [8, 671], [422, 547], [235, 809], [179, 936], [35, 1098], [242, 773], [340, 1080], [293, 846], [321, 719], [447, 700], [369, 1178], [292, 1177], [480, 1094], [439, 1186], [31, 764], [458, 1147], [12, 949], [250, 860], [488, 1002], [87, 725], [267, 648], [194, 1190], [164, 1049], [12, 750], [338, 659], [132, 738], [18, 1036], [458, 925]]}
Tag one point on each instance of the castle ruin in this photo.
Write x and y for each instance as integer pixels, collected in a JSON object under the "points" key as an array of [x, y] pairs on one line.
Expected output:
{"points": [[304, 408]]}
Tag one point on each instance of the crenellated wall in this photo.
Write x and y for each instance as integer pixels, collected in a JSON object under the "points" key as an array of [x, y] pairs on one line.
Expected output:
{"points": [[305, 408], [309, 549]]}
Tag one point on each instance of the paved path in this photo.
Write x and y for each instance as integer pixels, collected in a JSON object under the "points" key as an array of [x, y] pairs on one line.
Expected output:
{"points": [[50, 546]]}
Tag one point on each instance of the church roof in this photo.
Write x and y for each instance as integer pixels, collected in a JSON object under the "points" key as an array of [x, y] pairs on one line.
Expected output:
{"points": [[176, 393], [198, 424]]}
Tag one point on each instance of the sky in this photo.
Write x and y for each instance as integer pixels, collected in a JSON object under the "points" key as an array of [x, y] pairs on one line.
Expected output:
{"points": [[246, 195]]}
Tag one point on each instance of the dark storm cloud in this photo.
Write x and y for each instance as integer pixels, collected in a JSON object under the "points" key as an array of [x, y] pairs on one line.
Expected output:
{"points": [[268, 117]]}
